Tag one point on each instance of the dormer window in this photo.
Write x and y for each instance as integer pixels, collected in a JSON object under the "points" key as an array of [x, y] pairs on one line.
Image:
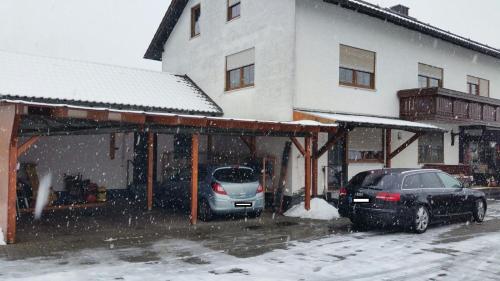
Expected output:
{"points": [[233, 9], [195, 20]]}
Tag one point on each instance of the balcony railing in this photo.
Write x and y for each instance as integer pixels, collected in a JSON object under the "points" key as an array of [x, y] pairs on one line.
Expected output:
{"points": [[438, 104]]}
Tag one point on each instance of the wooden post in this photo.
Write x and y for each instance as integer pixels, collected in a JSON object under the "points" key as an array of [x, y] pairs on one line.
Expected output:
{"points": [[307, 168], [388, 145], [150, 170], [209, 149], [345, 159], [12, 192], [194, 177], [315, 165]]}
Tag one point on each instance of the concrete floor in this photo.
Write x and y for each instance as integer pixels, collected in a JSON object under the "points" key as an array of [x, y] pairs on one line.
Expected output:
{"points": [[128, 226]]}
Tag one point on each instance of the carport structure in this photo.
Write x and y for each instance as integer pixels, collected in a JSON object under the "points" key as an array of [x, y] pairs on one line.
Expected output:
{"points": [[32, 120]]}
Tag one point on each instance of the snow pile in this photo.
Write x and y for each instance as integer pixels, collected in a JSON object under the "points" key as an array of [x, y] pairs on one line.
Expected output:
{"points": [[320, 210], [2, 240]]}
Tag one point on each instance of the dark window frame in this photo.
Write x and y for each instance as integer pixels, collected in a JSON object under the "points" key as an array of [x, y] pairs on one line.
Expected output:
{"points": [[242, 83], [230, 15], [195, 18], [354, 82], [478, 85], [428, 79]]}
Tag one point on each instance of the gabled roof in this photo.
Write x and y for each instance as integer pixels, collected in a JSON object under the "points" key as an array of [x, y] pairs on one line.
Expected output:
{"points": [[174, 12], [60, 81]]}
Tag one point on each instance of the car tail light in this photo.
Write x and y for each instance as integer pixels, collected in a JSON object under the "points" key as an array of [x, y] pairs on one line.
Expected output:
{"points": [[389, 197], [260, 189], [343, 191], [217, 188]]}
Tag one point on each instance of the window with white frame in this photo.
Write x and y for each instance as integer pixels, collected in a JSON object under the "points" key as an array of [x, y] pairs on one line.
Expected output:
{"points": [[366, 145]]}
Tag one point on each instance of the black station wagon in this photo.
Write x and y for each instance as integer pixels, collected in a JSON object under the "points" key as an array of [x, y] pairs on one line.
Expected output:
{"points": [[412, 198]]}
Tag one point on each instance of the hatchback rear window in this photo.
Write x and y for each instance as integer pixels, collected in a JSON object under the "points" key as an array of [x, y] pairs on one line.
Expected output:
{"points": [[374, 180], [235, 175]]}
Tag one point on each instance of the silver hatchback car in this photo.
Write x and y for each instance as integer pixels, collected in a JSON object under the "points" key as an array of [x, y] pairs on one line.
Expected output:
{"points": [[222, 190]]}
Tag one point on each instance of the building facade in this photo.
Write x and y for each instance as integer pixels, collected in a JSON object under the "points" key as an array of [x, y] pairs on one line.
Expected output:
{"points": [[269, 59]]}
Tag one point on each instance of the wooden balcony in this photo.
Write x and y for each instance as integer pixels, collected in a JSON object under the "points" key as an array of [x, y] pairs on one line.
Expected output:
{"points": [[444, 105]]}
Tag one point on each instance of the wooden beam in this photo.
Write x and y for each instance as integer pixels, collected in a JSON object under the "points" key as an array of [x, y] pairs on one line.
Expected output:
{"points": [[405, 145], [298, 145], [210, 144], [314, 165], [330, 143], [12, 191], [150, 170], [307, 168], [388, 148], [194, 177], [345, 159], [26, 146]]}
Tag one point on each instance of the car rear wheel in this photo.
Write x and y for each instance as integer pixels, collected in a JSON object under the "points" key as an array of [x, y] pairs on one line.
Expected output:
{"points": [[421, 219], [205, 213], [479, 210]]}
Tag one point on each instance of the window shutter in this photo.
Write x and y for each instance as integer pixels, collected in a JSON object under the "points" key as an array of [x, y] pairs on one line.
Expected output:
{"points": [[366, 139], [430, 71], [473, 80], [240, 59], [357, 59], [484, 88]]}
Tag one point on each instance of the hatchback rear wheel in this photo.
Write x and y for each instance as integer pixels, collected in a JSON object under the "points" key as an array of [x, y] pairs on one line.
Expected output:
{"points": [[421, 219], [479, 210]]}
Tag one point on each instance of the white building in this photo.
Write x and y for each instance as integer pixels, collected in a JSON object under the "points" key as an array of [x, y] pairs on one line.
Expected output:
{"points": [[286, 59]]}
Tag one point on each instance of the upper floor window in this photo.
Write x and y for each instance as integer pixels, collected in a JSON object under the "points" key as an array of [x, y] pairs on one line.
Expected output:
{"points": [[429, 76], [478, 86], [195, 20], [431, 148], [233, 9], [357, 67], [240, 70]]}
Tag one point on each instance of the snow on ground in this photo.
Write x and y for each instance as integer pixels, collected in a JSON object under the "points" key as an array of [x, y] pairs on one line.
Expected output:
{"points": [[456, 252], [2, 240], [320, 210]]}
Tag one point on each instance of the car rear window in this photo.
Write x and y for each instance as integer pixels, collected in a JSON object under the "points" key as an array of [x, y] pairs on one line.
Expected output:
{"points": [[375, 179], [235, 175]]}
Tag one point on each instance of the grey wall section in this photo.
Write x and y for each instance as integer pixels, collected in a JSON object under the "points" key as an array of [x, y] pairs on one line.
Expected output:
{"points": [[87, 155], [7, 114]]}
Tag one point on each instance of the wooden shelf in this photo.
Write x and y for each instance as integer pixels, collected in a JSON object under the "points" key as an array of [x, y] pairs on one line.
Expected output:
{"points": [[66, 207]]}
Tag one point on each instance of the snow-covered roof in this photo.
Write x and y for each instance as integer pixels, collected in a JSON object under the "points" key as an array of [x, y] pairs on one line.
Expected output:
{"points": [[176, 7], [371, 121], [51, 80]]}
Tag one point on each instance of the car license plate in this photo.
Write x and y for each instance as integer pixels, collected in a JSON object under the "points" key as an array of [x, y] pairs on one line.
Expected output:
{"points": [[361, 200], [243, 204]]}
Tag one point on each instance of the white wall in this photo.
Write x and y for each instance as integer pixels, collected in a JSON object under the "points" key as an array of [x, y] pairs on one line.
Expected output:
{"points": [[86, 155], [321, 27], [266, 25]]}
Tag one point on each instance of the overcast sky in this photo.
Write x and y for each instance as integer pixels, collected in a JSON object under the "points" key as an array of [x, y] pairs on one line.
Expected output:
{"points": [[119, 31]]}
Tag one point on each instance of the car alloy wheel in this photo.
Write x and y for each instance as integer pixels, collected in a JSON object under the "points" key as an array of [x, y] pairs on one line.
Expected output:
{"points": [[480, 211], [421, 219]]}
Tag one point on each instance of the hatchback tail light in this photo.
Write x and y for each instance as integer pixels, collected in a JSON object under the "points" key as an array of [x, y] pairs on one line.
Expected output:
{"points": [[217, 188], [389, 197], [343, 191], [260, 189]]}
